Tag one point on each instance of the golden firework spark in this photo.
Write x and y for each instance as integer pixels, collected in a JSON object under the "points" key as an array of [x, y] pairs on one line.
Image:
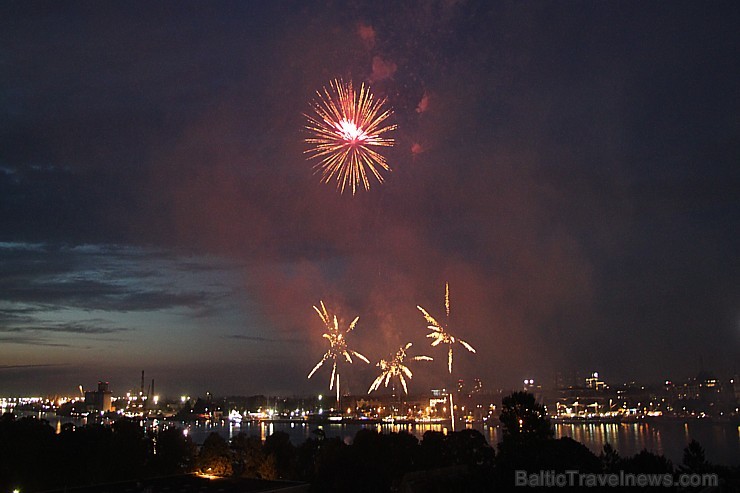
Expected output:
{"points": [[440, 333], [337, 345], [346, 125], [396, 367]]}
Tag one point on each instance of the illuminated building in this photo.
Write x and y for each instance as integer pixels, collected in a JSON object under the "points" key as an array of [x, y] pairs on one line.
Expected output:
{"points": [[99, 400], [593, 382]]}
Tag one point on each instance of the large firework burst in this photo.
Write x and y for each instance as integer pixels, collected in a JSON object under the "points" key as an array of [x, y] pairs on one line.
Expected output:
{"points": [[337, 345], [440, 332], [396, 367], [346, 124]]}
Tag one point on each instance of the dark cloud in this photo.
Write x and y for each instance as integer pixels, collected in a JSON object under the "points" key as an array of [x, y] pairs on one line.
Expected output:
{"points": [[93, 277], [242, 337], [36, 341], [23, 367], [90, 294], [85, 328]]}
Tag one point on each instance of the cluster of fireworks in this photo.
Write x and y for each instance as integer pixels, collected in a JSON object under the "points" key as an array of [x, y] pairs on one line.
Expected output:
{"points": [[348, 129], [395, 366], [346, 125]]}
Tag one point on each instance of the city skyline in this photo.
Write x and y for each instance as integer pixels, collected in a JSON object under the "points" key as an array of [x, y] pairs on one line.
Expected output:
{"points": [[571, 171]]}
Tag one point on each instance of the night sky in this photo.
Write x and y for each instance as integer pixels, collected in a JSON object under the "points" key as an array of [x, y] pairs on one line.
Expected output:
{"points": [[570, 168]]}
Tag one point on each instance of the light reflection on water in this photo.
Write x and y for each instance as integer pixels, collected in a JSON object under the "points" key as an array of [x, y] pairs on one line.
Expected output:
{"points": [[669, 438], [300, 432], [721, 441]]}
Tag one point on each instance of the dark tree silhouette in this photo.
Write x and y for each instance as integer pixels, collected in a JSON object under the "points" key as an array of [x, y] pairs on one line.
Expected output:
{"points": [[370, 462], [523, 418], [433, 450], [318, 461], [86, 455], [649, 463], [566, 453], [610, 459], [248, 456], [131, 449], [175, 452], [215, 457], [26, 447], [694, 460], [470, 448], [278, 447]]}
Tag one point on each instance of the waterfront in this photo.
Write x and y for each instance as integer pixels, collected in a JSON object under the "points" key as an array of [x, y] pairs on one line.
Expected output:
{"points": [[720, 440]]}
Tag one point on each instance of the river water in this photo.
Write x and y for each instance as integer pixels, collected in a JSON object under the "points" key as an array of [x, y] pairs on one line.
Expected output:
{"points": [[721, 441]]}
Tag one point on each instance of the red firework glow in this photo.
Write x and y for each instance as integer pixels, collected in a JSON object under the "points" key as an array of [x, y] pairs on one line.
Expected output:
{"points": [[346, 124]]}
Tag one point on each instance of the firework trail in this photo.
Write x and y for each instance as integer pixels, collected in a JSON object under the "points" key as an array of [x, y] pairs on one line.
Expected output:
{"points": [[337, 345], [440, 333], [346, 125], [396, 367]]}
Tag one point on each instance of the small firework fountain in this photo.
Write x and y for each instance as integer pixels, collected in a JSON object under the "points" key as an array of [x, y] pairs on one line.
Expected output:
{"points": [[337, 346], [346, 125], [441, 335], [395, 367]]}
